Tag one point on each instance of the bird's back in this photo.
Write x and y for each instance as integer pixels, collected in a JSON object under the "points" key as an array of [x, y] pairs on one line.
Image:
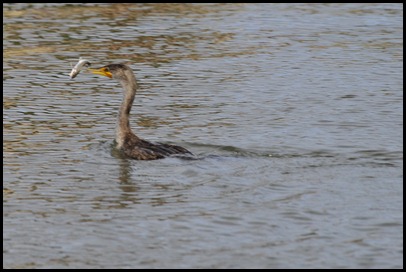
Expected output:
{"points": [[140, 149]]}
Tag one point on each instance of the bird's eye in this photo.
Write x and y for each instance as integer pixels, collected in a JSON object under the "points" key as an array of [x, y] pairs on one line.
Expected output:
{"points": [[106, 69]]}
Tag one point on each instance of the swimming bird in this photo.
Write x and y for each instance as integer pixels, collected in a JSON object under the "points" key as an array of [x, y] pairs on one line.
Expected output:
{"points": [[127, 142]]}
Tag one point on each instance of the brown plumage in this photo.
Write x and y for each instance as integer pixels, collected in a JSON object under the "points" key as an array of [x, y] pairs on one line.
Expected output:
{"points": [[129, 143]]}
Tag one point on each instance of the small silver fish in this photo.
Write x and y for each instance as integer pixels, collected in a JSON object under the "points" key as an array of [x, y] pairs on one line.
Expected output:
{"points": [[78, 67]]}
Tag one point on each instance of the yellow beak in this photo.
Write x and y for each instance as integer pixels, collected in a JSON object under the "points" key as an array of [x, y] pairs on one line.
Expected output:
{"points": [[101, 71]]}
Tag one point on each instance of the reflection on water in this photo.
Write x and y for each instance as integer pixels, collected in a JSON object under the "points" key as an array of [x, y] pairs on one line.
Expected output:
{"points": [[294, 112]]}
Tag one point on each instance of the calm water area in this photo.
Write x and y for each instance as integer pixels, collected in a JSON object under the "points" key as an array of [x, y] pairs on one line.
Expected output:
{"points": [[294, 113]]}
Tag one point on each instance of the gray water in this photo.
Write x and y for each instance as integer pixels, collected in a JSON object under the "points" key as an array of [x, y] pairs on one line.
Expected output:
{"points": [[294, 111]]}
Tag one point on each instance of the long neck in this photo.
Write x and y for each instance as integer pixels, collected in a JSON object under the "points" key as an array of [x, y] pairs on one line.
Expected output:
{"points": [[123, 124]]}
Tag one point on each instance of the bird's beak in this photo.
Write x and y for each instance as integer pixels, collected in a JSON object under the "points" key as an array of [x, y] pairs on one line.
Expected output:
{"points": [[101, 71]]}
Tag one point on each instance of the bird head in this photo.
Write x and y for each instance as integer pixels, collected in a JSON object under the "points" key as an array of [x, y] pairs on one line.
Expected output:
{"points": [[104, 71], [117, 71]]}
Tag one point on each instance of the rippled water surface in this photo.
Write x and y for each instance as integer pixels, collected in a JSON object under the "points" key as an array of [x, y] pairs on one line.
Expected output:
{"points": [[295, 113]]}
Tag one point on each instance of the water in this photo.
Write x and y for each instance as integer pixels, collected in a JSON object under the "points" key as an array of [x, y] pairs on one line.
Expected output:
{"points": [[294, 111]]}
